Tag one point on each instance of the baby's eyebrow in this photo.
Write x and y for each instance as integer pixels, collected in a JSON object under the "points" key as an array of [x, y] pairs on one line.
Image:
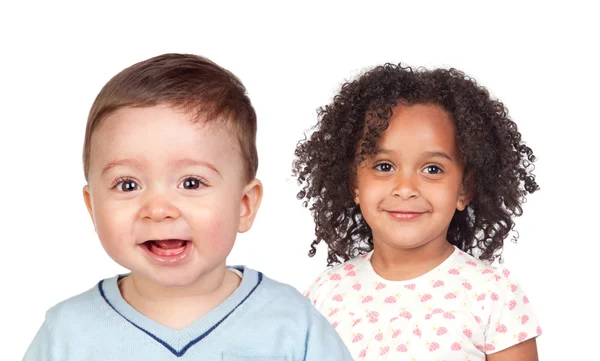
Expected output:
{"points": [[189, 162], [135, 163]]}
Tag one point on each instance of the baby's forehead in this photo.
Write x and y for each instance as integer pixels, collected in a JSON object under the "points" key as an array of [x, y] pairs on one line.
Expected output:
{"points": [[159, 132]]}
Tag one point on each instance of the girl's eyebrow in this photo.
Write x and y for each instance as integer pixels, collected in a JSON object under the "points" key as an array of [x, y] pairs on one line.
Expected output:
{"points": [[431, 154], [439, 155]]}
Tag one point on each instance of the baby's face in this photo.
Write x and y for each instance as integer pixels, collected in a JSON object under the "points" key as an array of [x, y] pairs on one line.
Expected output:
{"points": [[167, 195]]}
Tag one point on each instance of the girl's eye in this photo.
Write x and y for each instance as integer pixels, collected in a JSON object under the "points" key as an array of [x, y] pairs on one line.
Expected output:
{"points": [[191, 183], [127, 185], [433, 169], [384, 167]]}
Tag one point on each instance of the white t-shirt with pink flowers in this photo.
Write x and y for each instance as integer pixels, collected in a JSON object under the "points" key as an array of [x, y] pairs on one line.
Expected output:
{"points": [[461, 310]]}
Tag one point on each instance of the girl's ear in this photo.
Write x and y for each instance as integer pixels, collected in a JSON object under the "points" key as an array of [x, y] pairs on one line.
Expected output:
{"points": [[466, 191]]}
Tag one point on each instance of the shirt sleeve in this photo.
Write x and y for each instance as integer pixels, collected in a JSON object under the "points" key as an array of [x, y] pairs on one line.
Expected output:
{"points": [[322, 341], [511, 319], [40, 348], [315, 290]]}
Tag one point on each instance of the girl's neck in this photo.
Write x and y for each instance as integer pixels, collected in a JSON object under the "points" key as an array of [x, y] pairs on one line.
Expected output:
{"points": [[402, 264], [178, 307]]}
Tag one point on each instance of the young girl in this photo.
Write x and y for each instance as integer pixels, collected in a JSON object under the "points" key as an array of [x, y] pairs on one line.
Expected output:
{"points": [[414, 178]]}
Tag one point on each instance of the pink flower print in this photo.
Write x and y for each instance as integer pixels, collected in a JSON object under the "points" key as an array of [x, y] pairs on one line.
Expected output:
{"points": [[426, 297], [450, 295], [351, 274], [396, 333], [362, 353], [438, 283], [524, 319], [338, 298], [335, 324], [348, 267], [384, 350], [512, 304], [501, 328], [356, 322], [525, 300], [442, 331], [411, 286], [367, 299], [417, 332], [433, 346], [513, 288], [335, 277], [481, 297], [373, 320], [477, 319], [468, 333], [437, 310], [456, 347], [390, 299], [486, 271], [373, 314], [467, 285], [538, 330], [357, 286], [480, 347], [449, 315], [402, 348], [489, 347], [522, 336], [357, 337], [506, 272], [333, 312], [380, 286], [379, 336], [494, 296], [497, 277], [454, 271], [428, 316], [406, 315], [471, 263]]}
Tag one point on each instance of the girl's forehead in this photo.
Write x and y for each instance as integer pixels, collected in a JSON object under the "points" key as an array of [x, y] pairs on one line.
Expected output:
{"points": [[418, 126]]}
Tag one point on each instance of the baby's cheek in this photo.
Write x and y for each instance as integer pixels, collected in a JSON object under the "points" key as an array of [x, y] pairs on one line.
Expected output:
{"points": [[215, 228], [115, 231]]}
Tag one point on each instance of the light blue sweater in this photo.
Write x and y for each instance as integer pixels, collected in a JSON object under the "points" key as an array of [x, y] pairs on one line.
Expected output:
{"points": [[262, 320]]}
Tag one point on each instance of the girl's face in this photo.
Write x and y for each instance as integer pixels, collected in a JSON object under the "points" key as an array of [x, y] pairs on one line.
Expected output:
{"points": [[409, 190]]}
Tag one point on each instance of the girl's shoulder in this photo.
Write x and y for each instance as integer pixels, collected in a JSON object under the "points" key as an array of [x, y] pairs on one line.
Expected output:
{"points": [[337, 276]]}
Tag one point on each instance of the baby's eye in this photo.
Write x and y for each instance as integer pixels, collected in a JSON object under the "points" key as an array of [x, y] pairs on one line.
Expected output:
{"points": [[191, 183], [433, 169], [384, 167], [127, 185]]}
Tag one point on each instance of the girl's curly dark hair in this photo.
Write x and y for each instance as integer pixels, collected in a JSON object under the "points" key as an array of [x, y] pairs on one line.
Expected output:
{"points": [[499, 164]]}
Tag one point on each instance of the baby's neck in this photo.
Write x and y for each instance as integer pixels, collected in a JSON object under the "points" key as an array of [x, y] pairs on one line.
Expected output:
{"points": [[179, 307], [406, 264]]}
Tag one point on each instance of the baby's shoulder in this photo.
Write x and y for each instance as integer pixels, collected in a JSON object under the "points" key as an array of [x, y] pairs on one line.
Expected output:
{"points": [[74, 311]]}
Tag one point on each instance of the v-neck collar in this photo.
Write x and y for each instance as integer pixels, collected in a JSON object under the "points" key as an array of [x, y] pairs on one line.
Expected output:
{"points": [[179, 341]]}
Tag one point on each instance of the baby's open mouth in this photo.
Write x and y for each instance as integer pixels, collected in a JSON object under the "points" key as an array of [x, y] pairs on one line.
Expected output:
{"points": [[166, 247]]}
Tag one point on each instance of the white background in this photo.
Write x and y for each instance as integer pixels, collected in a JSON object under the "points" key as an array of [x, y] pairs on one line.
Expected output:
{"points": [[540, 60]]}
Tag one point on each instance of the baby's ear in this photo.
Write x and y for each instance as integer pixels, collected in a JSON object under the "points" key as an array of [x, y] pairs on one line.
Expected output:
{"points": [[87, 198], [466, 191], [251, 198]]}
